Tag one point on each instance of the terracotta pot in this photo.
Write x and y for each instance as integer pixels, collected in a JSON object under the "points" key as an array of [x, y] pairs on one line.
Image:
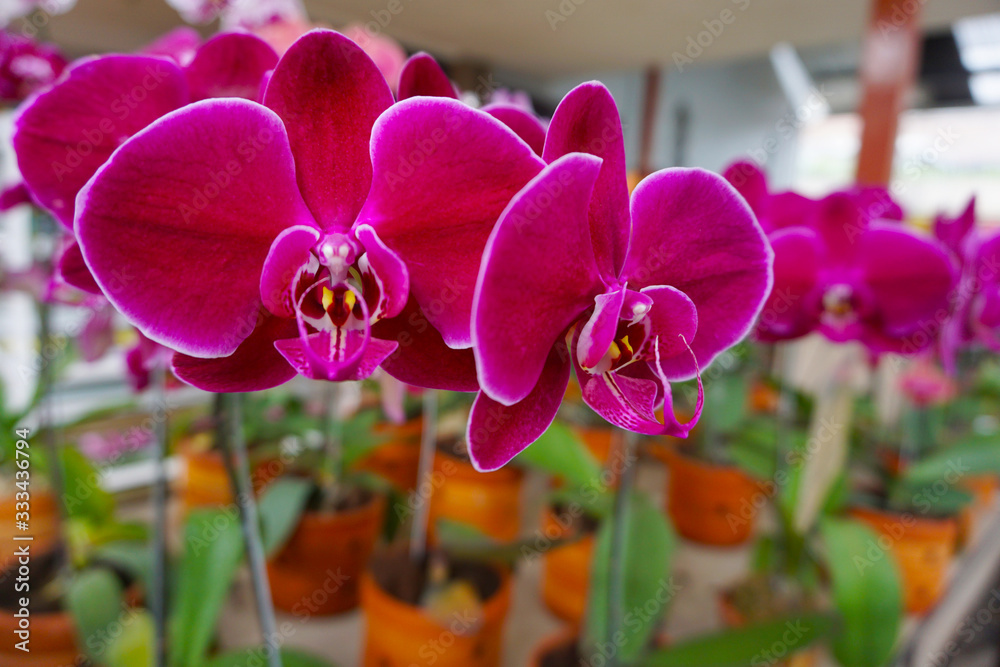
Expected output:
{"points": [[204, 481], [565, 571], [763, 398], [398, 459], [734, 618], [598, 441], [923, 547], [53, 641], [402, 635], [489, 501], [43, 523], [709, 504], [983, 489], [319, 570], [552, 643]]}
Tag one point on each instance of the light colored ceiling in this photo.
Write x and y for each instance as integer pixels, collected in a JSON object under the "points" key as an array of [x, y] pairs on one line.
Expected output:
{"points": [[544, 37]]}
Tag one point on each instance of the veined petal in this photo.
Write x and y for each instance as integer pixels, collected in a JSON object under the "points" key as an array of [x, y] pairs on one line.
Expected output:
{"points": [[692, 231], [288, 255], [788, 311], [497, 432], [673, 323], [599, 332], [443, 174], [309, 356], [423, 76], [388, 272], [176, 226], [66, 133], [328, 93], [587, 121], [538, 277], [524, 124], [254, 366], [230, 65], [422, 359]]}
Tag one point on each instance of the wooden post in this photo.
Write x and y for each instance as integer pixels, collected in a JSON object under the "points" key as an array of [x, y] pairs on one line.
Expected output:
{"points": [[888, 69]]}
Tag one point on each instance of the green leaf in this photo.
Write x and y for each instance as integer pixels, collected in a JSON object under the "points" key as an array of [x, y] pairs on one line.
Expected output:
{"points": [[213, 550], [84, 498], [974, 456], [95, 600], [252, 657], [560, 452], [649, 547], [462, 540], [280, 508], [134, 647], [134, 558], [358, 437], [765, 643], [867, 592]]}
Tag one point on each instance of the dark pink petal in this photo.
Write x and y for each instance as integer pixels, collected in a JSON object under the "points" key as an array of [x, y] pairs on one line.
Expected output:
{"points": [[539, 276], [953, 232], [230, 65], [524, 123], [289, 253], [176, 227], [254, 366], [443, 174], [422, 358], [65, 134], [911, 279], [876, 203], [691, 230], [789, 209], [497, 432], [673, 320], [73, 271], [328, 92], [387, 270], [180, 45], [587, 121], [797, 259], [97, 334], [422, 75], [840, 221], [751, 183], [599, 332], [15, 195], [361, 355]]}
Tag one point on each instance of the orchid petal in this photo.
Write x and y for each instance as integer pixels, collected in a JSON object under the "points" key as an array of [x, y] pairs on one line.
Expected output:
{"points": [[363, 355], [328, 93], [787, 313], [751, 183], [673, 320], [230, 65], [524, 124], [953, 232], [180, 45], [73, 271], [254, 366], [539, 276], [388, 271], [691, 230], [443, 174], [587, 121], [289, 253], [65, 134], [599, 331], [177, 225], [423, 76], [497, 432]]}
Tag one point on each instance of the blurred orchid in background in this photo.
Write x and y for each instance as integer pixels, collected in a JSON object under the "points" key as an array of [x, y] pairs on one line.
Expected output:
{"points": [[26, 66]]}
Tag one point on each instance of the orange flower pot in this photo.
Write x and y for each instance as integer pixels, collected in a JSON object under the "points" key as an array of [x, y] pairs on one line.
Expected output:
{"points": [[709, 504], [204, 481], [566, 571], [734, 618], [983, 489], [402, 635], [489, 501], [43, 523], [53, 641], [398, 459], [319, 570], [598, 441], [923, 547], [763, 398]]}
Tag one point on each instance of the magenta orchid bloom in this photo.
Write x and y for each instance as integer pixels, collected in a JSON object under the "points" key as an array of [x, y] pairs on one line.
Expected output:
{"points": [[228, 231], [845, 266], [26, 66], [65, 134]]}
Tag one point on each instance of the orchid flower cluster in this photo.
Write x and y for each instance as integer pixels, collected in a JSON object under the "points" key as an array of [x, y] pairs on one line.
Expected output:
{"points": [[266, 218]]}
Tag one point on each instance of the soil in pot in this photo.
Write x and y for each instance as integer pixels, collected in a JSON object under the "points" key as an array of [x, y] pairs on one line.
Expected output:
{"points": [[566, 568], [561, 650], [490, 501], [402, 633], [319, 570], [709, 503]]}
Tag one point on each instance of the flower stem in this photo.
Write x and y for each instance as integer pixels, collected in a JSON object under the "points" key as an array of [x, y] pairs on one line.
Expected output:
{"points": [[158, 596], [238, 467], [428, 443], [333, 450], [621, 518]]}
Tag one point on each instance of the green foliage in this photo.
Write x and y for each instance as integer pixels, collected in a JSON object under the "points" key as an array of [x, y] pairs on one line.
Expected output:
{"points": [[134, 647], [84, 497], [252, 657], [95, 599], [867, 592], [560, 452], [461, 540], [281, 507]]}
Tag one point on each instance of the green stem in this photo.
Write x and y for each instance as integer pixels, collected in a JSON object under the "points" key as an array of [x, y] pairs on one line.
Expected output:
{"points": [[428, 444], [621, 519]]}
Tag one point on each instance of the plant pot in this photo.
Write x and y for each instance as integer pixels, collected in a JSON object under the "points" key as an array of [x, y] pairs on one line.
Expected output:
{"points": [[600, 442], [709, 504], [204, 481], [491, 501], [53, 641], [732, 617], [398, 459], [43, 523], [319, 570], [566, 569], [558, 650], [923, 547], [983, 489], [401, 634]]}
